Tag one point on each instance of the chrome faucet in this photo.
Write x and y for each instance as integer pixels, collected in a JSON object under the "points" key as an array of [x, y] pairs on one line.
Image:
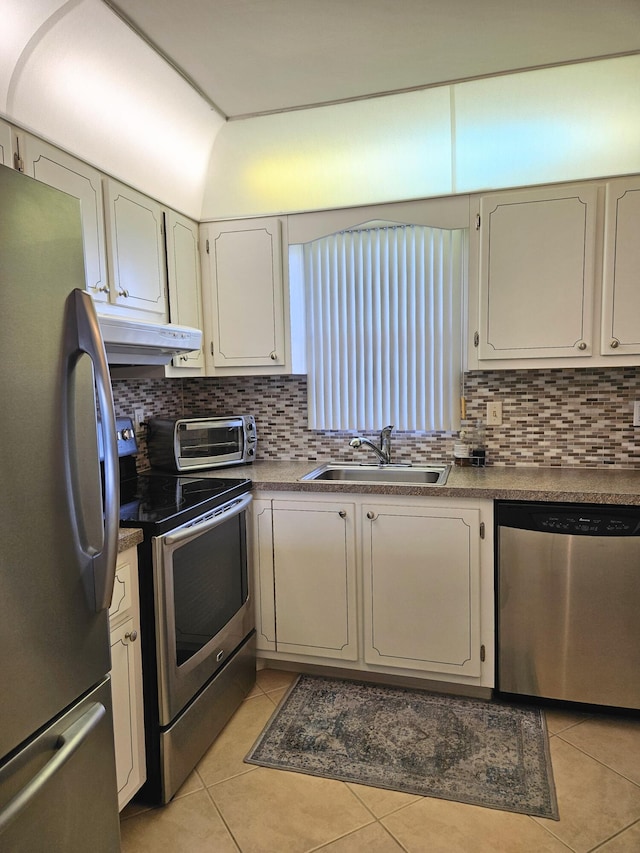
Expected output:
{"points": [[384, 451]]}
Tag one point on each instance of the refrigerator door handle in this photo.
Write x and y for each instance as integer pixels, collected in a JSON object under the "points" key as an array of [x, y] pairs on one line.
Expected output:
{"points": [[65, 746], [83, 337]]}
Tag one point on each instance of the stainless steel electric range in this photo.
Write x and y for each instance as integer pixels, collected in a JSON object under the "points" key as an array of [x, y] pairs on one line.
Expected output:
{"points": [[196, 610]]}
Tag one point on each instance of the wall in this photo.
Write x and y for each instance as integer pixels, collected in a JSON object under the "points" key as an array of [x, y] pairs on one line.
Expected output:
{"points": [[551, 125], [568, 417]]}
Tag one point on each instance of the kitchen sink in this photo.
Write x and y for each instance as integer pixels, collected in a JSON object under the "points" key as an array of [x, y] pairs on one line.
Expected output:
{"points": [[415, 475]]}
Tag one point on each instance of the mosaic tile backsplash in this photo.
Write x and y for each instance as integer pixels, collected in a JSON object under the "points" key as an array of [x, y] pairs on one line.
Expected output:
{"points": [[572, 417]]}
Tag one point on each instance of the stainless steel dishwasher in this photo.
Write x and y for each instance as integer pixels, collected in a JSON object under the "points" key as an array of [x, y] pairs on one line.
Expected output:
{"points": [[568, 581]]}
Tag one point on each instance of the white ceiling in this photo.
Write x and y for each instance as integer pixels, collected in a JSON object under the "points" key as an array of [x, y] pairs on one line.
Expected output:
{"points": [[254, 56]]}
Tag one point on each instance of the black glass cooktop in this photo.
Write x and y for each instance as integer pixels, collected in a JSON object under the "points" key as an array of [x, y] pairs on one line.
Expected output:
{"points": [[165, 501]]}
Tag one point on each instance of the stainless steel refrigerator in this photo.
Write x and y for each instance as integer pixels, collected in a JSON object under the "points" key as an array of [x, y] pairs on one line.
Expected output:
{"points": [[57, 548]]}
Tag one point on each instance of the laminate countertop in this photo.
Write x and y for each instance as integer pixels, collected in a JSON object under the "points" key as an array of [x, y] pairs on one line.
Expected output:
{"points": [[577, 485], [128, 537]]}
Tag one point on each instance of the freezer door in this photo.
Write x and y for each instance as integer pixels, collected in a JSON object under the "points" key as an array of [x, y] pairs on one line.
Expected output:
{"points": [[58, 794], [53, 645]]}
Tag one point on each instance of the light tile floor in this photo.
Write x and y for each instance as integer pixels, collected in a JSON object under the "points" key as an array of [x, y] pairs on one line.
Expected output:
{"points": [[227, 806]]}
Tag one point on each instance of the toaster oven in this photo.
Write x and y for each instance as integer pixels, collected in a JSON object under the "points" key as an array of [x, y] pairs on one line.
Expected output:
{"points": [[192, 444]]}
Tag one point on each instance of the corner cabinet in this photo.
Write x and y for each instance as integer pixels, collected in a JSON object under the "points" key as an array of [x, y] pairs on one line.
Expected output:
{"points": [[136, 252], [621, 274], [306, 584], [537, 273], [380, 585], [244, 296], [126, 678], [185, 289]]}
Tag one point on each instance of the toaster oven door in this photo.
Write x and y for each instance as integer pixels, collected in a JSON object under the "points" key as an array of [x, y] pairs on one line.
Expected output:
{"points": [[209, 443]]}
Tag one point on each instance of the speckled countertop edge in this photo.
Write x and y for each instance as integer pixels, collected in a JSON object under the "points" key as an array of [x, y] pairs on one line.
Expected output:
{"points": [[577, 485], [128, 537]]}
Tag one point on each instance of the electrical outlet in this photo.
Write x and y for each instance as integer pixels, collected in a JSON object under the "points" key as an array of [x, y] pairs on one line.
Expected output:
{"points": [[636, 413], [494, 413], [138, 418]]}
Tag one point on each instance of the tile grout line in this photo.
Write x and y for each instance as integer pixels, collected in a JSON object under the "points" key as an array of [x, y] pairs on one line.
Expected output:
{"points": [[601, 763]]}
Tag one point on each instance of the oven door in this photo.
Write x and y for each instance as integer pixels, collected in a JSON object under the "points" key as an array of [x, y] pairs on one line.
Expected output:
{"points": [[203, 606]]}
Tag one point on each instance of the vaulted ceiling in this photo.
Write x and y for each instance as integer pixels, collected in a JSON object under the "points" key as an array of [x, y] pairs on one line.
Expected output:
{"points": [[254, 56]]}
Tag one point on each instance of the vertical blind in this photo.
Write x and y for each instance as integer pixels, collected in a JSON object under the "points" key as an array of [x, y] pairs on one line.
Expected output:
{"points": [[384, 328]]}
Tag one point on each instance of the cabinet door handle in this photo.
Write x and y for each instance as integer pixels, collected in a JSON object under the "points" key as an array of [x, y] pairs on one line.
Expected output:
{"points": [[123, 292], [132, 636], [615, 343], [582, 345], [274, 356], [371, 515], [343, 513]]}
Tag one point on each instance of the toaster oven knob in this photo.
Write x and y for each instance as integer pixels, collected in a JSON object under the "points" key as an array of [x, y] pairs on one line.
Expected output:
{"points": [[250, 451]]}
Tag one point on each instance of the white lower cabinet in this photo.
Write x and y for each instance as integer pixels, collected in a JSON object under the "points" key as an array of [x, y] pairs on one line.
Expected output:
{"points": [[126, 678], [401, 586], [307, 585], [421, 586]]}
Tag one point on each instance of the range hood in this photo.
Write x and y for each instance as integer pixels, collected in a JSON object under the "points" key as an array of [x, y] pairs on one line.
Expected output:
{"points": [[136, 342]]}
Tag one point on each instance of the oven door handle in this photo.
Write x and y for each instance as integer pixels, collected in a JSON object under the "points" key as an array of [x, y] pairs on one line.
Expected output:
{"points": [[183, 535]]}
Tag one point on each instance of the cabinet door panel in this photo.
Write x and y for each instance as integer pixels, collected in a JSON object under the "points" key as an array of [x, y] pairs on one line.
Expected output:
{"points": [[126, 688], [185, 291], [262, 545], [6, 145], [621, 287], [314, 572], [136, 251], [246, 274], [422, 588], [58, 169], [537, 260]]}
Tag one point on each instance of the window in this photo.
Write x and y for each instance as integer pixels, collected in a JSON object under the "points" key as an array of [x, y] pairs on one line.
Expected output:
{"points": [[384, 327]]}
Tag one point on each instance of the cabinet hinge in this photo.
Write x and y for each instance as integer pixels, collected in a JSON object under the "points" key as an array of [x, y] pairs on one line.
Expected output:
{"points": [[483, 653], [207, 245], [211, 347], [476, 339], [482, 529], [477, 221]]}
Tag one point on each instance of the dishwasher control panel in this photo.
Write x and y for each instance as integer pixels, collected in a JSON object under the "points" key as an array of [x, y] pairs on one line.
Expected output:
{"points": [[595, 525], [570, 519]]}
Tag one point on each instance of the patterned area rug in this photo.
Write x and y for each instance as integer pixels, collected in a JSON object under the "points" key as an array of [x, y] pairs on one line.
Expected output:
{"points": [[485, 753]]}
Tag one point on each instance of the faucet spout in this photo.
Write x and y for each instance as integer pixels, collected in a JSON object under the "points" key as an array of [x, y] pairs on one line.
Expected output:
{"points": [[383, 452]]}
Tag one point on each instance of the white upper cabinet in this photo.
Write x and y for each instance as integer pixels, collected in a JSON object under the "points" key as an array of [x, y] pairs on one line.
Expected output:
{"points": [[621, 273], [64, 172], [185, 291], [6, 144], [537, 273], [136, 251], [244, 296], [553, 277]]}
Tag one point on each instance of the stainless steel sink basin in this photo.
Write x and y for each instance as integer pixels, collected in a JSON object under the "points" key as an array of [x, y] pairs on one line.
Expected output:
{"points": [[416, 475]]}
